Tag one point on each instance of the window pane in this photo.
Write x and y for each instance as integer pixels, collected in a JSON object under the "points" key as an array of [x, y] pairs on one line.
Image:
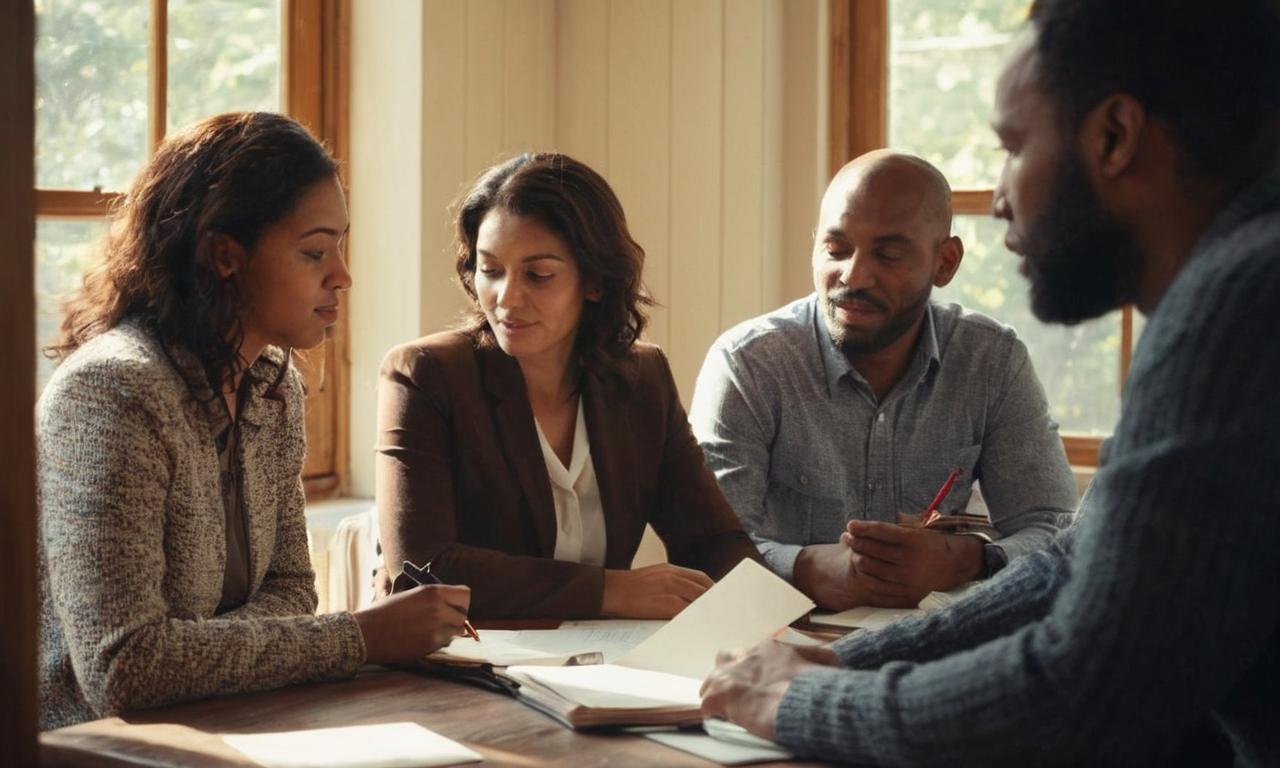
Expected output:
{"points": [[1079, 366], [63, 249], [91, 92], [224, 55], [944, 58]]}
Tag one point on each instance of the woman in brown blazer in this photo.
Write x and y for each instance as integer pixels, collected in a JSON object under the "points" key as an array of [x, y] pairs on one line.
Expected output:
{"points": [[524, 453]]}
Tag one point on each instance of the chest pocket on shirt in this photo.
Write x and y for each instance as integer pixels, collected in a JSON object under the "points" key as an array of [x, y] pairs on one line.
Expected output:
{"points": [[919, 482], [803, 505]]}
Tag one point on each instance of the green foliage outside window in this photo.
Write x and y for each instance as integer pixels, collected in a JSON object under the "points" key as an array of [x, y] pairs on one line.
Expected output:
{"points": [[944, 58], [92, 112]]}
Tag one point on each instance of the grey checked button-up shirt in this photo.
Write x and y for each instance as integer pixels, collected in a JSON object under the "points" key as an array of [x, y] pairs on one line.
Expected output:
{"points": [[801, 445]]}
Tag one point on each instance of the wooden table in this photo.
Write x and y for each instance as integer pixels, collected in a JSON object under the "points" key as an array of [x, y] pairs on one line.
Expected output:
{"points": [[503, 730]]}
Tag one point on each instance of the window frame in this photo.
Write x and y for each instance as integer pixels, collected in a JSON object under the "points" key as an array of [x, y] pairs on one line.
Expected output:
{"points": [[314, 89], [858, 94]]}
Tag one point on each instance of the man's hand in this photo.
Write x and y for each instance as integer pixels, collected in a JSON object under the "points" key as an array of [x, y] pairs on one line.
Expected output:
{"points": [[905, 563], [747, 687], [829, 574]]}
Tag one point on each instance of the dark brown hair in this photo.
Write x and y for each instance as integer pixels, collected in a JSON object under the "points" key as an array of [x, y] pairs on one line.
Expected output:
{"points": [[577, 204], [235, 174], [1210, 70]]}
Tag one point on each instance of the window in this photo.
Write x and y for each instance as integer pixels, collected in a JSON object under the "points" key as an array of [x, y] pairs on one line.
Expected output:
{"points": [[113, 76], [920, 75]]}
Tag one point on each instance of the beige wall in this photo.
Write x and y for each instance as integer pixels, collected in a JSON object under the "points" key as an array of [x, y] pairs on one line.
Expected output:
{"points": [[706, 116]]}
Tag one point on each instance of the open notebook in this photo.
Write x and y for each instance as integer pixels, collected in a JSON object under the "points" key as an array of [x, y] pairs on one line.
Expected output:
{"points": [[657, 681]]}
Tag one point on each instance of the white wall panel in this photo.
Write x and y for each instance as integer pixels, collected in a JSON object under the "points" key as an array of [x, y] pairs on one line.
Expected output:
{"points": [[697, 125], [639, 119]]}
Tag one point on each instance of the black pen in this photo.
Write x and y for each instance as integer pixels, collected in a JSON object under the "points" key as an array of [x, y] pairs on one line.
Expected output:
{"points": [[422, 577]]}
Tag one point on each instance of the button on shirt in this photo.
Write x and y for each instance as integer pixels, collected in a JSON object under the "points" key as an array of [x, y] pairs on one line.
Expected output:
{"points": [[801, 444], [580, 532]]}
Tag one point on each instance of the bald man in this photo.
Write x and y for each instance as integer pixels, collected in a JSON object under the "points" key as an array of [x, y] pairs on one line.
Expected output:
{"points": [[832, 423]]}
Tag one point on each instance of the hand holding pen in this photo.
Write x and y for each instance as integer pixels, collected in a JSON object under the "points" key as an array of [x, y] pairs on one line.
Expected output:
{"points": [[931, 513], [403, 627], [424, 577]]}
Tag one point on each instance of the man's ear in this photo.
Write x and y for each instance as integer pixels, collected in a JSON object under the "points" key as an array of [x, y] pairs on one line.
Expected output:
{"points": [[1111, 134], [227, 254], [950, 254], [594, 294]]}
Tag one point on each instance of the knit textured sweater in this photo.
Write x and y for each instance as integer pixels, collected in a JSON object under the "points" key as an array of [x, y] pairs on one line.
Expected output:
{"points": [[132, 544], [1154, 616]]}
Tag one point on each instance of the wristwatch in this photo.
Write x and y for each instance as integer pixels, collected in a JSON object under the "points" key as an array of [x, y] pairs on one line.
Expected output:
{"points": [[993, 559]]}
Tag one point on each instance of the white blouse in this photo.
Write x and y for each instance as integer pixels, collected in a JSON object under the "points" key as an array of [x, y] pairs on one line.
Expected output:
{"points": [[580, 534]]}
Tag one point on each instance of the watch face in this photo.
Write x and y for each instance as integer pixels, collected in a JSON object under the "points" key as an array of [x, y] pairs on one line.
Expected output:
{"points": [[993, 558]]}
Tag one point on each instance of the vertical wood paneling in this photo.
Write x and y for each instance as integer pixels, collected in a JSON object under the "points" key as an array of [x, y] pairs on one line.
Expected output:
{"points": [[773, 119], [529, 75], [485, 81], [804, 142], [447, 123], [582, 81], [743, 172], [639, 113], [696, 128]]}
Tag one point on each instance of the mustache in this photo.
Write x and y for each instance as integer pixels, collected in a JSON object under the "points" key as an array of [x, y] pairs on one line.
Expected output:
{"points": [[849, 295]]}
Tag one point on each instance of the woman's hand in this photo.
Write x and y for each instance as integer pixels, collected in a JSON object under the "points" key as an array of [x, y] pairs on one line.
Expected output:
{"points": [[408, 625], [653, 592]]}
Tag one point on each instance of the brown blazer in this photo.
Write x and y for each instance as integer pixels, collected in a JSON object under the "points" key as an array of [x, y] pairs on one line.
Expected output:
{"points": [[462, 483]]}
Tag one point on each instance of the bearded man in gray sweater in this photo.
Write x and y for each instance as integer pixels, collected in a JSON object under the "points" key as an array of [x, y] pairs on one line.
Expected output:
{"points": [[1143, 142]]}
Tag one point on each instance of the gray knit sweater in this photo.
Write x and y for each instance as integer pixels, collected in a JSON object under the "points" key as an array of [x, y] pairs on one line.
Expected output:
{"points": [[132, 541], [1156, 614]]}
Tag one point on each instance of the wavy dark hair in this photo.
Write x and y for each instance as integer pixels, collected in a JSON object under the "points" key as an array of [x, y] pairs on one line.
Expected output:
{"points": [[1210, 70], [576, 203], [236, 174]]}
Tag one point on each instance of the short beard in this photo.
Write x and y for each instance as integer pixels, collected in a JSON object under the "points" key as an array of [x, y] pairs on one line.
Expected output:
{"points": [[1081, 262], [893, 329]]}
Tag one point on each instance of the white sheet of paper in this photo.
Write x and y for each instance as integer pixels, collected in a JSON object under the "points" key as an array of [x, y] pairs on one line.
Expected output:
{"points": [[717, 751], [384, 745], [744, 608], [610, 638], [609, 686], [865, 617]]}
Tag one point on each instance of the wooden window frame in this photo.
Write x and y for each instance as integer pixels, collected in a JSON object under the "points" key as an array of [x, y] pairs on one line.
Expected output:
{"points": [[315, 81], [858, 96]]}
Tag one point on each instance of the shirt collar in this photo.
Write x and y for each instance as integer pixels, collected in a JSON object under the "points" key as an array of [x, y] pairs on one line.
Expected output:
{"points": [[260, 375], [836, 366]]}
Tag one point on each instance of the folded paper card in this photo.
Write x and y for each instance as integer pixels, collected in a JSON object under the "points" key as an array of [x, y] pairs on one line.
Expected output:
{"points": [[866, 617]]}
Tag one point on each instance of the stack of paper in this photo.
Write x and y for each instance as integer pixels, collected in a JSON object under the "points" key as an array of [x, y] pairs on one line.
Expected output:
{"points": [[573, 642]]}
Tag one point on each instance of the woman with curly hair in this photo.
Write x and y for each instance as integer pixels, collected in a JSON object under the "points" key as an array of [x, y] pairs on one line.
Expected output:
{"points": [[173, 557], [524, 453]]}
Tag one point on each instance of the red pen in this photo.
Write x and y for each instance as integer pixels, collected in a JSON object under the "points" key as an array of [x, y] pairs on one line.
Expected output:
{"points": [[931, 511]]}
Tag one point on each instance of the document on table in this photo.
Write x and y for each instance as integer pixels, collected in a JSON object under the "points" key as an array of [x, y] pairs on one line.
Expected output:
{"points": [[746, 607], [658, 680], [573, 642], [383, 745], [723, 742], [866, 617]]}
